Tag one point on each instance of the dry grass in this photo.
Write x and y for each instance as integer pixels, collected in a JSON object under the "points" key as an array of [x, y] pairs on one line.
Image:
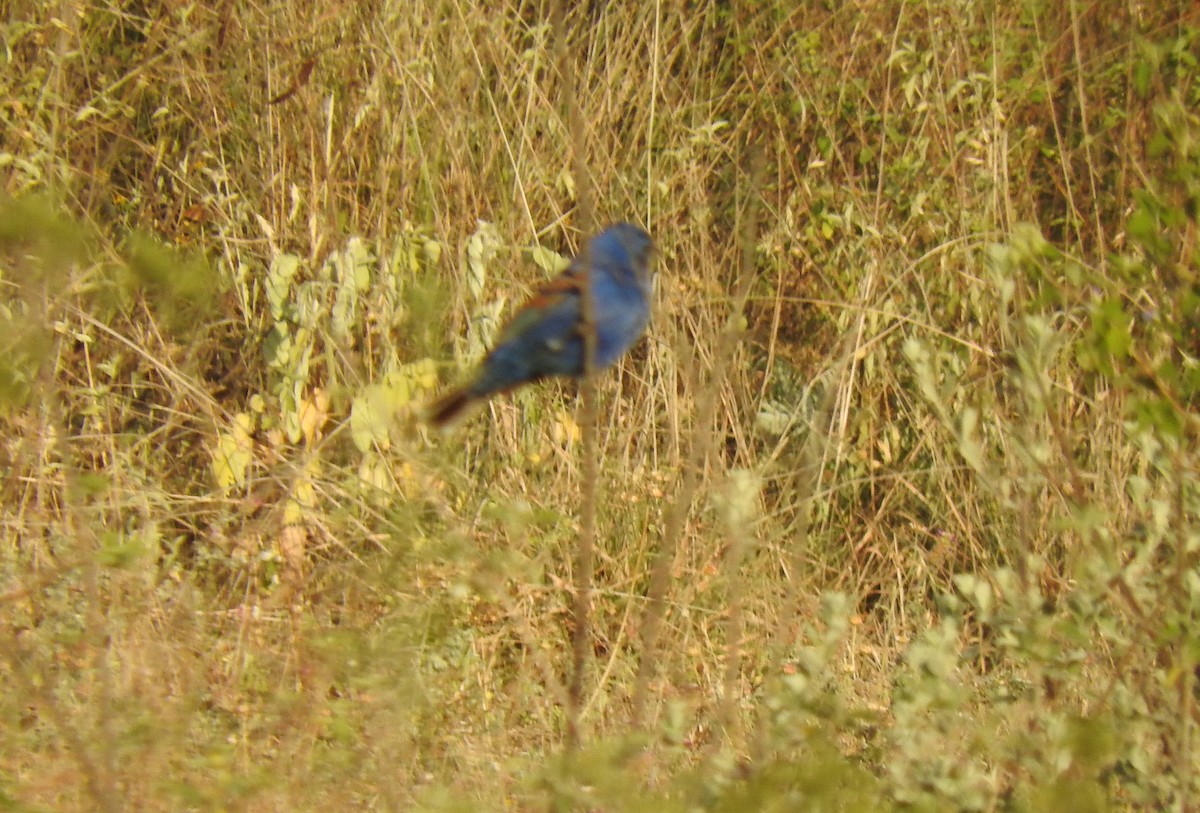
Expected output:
{"points": [[923, 531]]}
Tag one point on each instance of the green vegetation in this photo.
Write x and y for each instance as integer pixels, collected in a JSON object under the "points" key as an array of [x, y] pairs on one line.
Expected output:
{"points": [[913, 439]]}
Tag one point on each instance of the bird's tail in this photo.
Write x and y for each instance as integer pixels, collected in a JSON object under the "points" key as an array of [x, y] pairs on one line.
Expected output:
{"points": [[451, 407]]}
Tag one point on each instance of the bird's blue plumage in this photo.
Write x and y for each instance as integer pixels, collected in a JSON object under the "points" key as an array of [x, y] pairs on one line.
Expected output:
{"points": [[544, 338]]}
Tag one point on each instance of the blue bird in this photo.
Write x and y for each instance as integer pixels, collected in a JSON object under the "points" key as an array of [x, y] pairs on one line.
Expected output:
{"points": [[544, 338]]}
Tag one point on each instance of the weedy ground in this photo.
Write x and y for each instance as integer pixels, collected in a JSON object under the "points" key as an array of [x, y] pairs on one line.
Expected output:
{"points": [[912, 437]]}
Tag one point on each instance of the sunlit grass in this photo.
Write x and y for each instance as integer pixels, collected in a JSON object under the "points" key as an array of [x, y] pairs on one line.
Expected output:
{"points": [[895, 502]]}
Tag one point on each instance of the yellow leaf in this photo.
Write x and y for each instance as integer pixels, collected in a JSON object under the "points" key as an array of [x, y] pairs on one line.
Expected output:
{"points": [[313, 413], [565, 430], [233, 454], [432, 250]]}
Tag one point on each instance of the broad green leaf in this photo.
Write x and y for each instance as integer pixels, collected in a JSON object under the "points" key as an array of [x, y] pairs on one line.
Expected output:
{"points": [[368, 419], [549, 261], [279, 282]]}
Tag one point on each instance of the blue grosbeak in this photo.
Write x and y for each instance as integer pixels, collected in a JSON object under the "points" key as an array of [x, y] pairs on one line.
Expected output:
{"points": [[544, 338]]}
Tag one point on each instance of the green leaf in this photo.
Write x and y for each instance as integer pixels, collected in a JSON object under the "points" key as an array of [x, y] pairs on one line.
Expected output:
{"points": [[120, 550], [89, 484], [482, 247], [1158, 415], [968, 443], [1110, 337], [977, 591], [352, 273], [1143, 72], [279, 282], [549, 261], [182, 286], [372, 413]]}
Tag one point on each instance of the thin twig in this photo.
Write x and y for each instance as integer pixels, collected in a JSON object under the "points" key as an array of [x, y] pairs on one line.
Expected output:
{"points": [[664, 556], [584, 564]]}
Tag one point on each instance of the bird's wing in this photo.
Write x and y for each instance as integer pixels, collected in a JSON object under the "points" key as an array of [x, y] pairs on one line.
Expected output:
{"points": [[556, 297]]}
